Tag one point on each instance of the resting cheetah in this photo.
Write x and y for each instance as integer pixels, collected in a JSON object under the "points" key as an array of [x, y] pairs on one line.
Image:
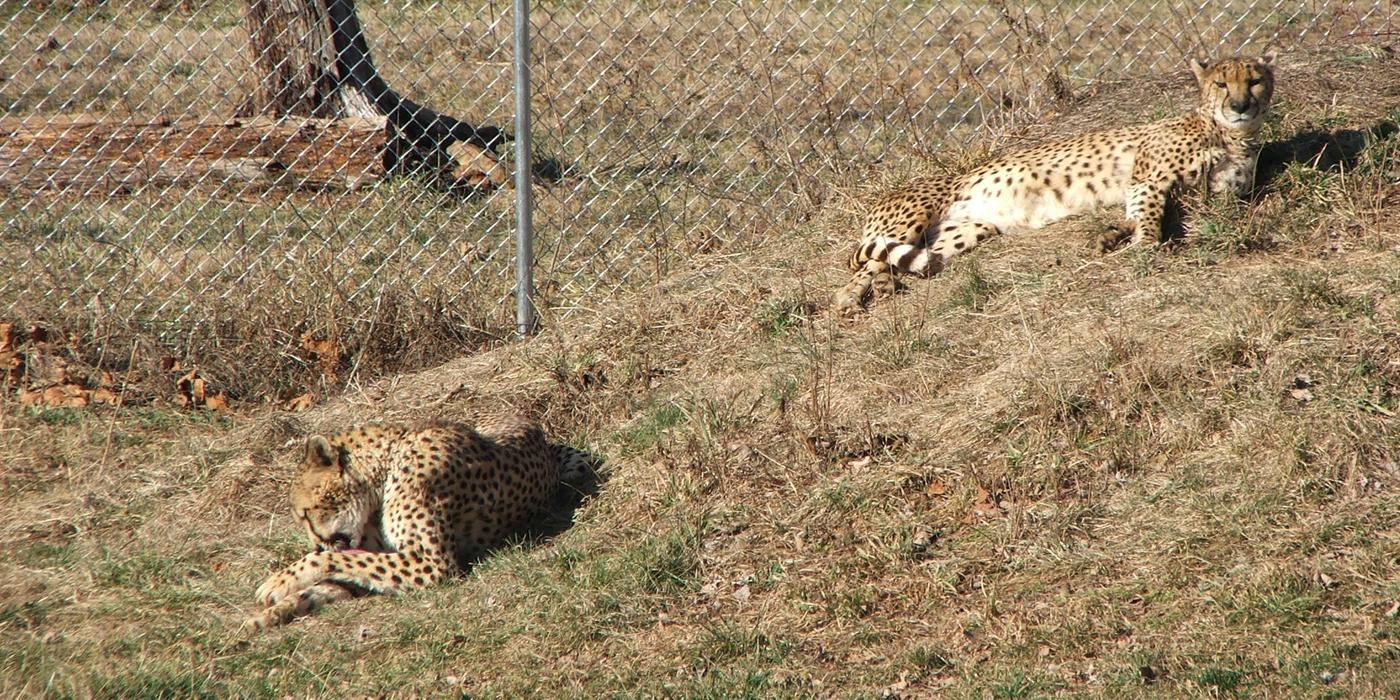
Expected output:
{"points": [[918, 228], [393, 508]]}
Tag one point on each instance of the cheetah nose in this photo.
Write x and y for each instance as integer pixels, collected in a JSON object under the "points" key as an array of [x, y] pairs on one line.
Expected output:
{"points": [[1239, 106]]}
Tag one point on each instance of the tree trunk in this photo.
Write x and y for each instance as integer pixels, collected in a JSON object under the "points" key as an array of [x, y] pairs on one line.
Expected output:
{"points": [[312, 60], [294, 60]]}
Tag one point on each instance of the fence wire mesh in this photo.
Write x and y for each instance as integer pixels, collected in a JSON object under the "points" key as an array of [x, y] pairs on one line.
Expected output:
{"points": [[661, 130]]}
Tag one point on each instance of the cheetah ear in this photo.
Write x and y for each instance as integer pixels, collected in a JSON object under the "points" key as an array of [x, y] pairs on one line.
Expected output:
{"points": [[342, 458], [319, 452], [1268, 57], [1199, 64]]}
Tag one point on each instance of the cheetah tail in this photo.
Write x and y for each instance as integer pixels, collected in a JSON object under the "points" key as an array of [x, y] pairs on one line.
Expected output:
{"points": [[913, 259], [859, 255]]}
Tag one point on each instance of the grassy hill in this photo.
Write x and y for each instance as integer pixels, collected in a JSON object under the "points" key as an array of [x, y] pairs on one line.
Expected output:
{"points": [[1160, 472]]}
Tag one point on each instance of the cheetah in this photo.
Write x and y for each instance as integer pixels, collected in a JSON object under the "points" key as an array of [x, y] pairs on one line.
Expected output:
{"points": [[394, 508], [918, 228]]}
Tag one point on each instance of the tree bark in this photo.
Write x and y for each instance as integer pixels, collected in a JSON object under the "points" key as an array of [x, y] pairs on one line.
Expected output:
{"points": [[293, 57], [312, 59]]}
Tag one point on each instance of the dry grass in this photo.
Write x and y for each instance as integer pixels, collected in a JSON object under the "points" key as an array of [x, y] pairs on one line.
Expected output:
{"points": [[653, 156], [1046, 472], [1161, 472]]}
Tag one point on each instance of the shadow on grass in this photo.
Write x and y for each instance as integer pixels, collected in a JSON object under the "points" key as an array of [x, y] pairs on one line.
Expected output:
{"points": [[1334, 151], [1330, 151]]}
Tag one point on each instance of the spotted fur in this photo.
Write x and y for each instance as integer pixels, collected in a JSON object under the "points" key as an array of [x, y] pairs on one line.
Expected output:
{"points": [[918, 228], [393, 508]]}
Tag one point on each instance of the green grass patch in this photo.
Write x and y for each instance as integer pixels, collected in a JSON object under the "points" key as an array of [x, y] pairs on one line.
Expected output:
{"points": [[650, 427]]}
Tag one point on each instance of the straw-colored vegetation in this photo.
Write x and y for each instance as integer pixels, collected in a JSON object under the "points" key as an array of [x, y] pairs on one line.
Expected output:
{"points": [[1160, 472]]}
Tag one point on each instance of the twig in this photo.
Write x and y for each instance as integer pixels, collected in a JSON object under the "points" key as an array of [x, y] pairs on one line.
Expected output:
{"points": [[121, 399]]}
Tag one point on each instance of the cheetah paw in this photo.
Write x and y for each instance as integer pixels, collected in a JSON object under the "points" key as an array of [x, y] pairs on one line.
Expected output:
{"points": [[278, 614], [846, 304], [1114, 237], [279, 587]]}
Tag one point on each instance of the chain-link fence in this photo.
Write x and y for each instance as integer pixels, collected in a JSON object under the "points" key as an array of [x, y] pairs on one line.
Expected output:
{"points": [[661, 130]]}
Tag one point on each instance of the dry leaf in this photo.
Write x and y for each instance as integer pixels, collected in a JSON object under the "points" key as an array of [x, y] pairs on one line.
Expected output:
{"points": [[216, 402], [191, 387], [327, 353], [107, 396], [11, 367], [193, 390], [742, 594], [984, 507], [30, 398], [66, 396], [298, 403], [924, 537], [47, 370], [937, 487], [897, 688], [1300, 390], [7, 336], [476, 167]]}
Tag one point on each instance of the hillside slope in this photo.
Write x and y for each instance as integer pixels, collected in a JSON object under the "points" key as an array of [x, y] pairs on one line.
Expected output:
{"points": [[1157, 472]]}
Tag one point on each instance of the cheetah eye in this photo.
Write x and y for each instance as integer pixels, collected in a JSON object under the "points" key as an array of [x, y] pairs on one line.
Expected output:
{"points": [[1220, 84], [1253, 81]]}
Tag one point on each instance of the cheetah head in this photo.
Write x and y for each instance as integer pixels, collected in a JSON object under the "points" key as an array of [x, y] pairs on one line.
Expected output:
{"points": [[1236, 91], [325, 499]]}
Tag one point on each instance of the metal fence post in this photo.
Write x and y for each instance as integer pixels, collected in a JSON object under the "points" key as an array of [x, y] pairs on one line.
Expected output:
{"points": [[524, 239]]}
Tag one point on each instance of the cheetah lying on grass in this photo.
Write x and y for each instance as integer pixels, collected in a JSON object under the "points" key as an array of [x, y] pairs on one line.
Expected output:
{"points": [[918, 228], [393, 508]]}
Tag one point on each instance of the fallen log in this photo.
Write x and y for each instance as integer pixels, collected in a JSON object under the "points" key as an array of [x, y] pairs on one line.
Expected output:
{"points": [[87, 156]]}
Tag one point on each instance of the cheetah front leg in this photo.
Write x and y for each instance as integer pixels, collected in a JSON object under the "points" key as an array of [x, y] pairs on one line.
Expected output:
{"points": [[872, 274], [375, 572], [303, 603], [1146, 203]]}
